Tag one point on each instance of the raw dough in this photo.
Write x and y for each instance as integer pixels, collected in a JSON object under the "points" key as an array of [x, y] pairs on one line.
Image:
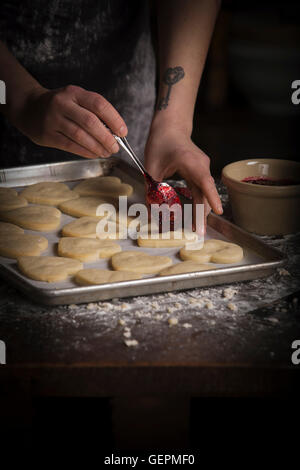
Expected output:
{"points": [[49, 193], [19, 244], [48, 268], [87, 249], [6, 191], [117, 233], [103, 186], [215, 251], [89, 277], [185, 267], [84, 206], [139, 262], [6, 229], [84, 227], [39, 218], [171, 241], [9, 200], [122, 219]]}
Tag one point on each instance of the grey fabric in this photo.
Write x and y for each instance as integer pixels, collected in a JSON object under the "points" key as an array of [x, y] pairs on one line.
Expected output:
{"points": [[101, 45]]}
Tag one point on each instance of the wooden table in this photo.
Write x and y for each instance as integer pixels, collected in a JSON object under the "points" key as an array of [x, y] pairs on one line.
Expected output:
{"points": [[80, 352]]}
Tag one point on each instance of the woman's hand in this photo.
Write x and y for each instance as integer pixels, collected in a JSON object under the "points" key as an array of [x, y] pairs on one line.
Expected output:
{"points": [[170, 149], [70, 119]]}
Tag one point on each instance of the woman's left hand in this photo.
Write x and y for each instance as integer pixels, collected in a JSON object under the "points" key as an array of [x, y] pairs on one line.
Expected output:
{"points": [[170, 149]]}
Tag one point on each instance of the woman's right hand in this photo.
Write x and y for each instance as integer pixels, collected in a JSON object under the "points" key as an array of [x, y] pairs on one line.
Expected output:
{"points": [[70, 119]]}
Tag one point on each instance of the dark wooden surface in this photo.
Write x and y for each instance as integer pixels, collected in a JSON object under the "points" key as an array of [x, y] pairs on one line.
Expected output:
{"points": [[43, 356], [67, 367]]}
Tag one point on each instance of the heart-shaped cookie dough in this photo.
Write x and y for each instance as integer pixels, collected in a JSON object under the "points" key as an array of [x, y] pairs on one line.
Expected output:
{"points": [[49, 193], [10, 199], [48, 268], [8, 191], [87, 249], [139, 262], [40, 218], [90, 277], [103, 186], [84, 227], [19, 244], [87, 227], [214, 251], [84, 206], [167, 240], [185, 267], [6, 229]]}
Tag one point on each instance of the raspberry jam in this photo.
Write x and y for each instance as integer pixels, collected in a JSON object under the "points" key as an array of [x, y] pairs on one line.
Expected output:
{"points": [[162, 193], [264, 181], [183, 192]]}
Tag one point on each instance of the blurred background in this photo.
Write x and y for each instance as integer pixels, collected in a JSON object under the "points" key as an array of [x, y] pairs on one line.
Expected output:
{"points": [[244, 107]]}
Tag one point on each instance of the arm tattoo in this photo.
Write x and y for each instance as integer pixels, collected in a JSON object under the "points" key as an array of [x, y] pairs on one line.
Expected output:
{"points": [[171, 76]]}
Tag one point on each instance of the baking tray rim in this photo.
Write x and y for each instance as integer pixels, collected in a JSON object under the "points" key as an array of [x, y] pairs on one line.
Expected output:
{"points": [[50, 296]]}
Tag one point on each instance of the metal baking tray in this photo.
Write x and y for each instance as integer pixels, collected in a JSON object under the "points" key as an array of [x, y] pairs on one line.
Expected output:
{"points": [[260, 259]]}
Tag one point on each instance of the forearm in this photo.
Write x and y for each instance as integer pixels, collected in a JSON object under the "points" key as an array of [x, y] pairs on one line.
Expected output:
{"points": [[69, 118], [19, 83], [184, 31]]}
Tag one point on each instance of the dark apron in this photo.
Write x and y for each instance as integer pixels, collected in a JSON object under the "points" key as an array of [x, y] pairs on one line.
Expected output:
{"points": [[100, 45]]}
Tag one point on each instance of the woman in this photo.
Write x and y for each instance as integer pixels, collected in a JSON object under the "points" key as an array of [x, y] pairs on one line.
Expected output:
{"points": [[69, 65]]}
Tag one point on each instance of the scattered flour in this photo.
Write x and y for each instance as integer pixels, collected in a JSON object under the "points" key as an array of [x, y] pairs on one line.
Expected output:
{"points": [[131, 342], [232, 307]]}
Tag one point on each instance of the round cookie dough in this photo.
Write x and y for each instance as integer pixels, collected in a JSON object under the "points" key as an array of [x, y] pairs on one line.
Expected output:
{"points": [[86, 249], [83, 206], [168, 242], [185, 267], [10, 199], [214, 251], [49, 193], [40, 218], [20, 244], [48, 268], [139, 262], [103, 186], [90, 277], [7, 229], [84, 227]]}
